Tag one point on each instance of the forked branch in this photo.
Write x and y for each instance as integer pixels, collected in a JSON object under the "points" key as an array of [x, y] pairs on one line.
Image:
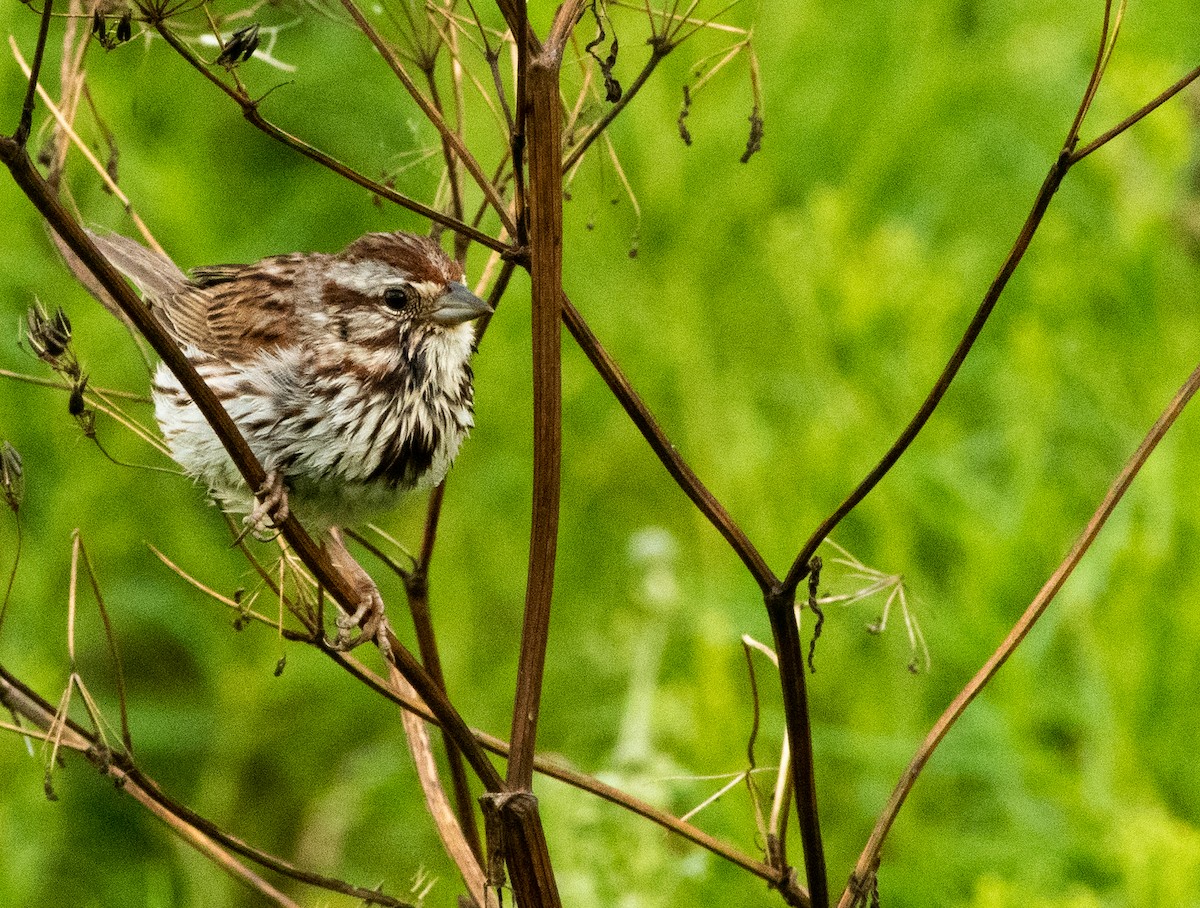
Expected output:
{"points": [[1067, 157]]}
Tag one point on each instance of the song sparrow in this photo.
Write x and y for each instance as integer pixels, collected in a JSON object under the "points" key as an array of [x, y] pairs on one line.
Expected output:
{"points": [[348, 374]]}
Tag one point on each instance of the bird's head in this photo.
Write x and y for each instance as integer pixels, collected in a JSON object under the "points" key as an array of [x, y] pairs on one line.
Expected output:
{"points": [[388, 282]]}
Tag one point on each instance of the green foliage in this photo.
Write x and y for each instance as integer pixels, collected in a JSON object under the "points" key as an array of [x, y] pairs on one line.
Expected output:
{"points": [[783, 319]]}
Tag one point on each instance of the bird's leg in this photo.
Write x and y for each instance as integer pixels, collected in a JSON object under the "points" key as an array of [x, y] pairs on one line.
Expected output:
{"points": [[369, 613], [270, 505]]}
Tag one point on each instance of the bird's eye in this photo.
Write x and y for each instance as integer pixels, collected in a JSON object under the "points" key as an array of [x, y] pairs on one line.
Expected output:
{"points": [[397, 298]]}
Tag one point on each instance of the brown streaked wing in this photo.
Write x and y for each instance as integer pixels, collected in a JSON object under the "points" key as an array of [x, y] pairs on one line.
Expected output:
{"points": [[243, 308]]}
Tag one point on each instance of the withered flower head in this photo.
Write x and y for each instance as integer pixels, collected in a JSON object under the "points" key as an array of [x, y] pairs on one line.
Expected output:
{"points": [[75, 404], [122, 33], [49, 336]]}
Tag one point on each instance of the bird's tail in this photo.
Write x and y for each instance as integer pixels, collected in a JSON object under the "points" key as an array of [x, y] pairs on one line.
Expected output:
{"points": [[155, 275]]}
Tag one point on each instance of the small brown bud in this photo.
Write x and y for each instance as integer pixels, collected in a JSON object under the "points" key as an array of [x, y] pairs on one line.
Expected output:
{"points": [[75, 404]]}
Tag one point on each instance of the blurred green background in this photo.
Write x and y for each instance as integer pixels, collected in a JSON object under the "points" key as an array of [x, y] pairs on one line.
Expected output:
{"points": [[782, 318]]}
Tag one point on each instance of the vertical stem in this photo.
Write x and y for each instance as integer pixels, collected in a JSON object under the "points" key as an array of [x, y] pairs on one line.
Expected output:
{"points": [[21, 136], [523, 37], [544, 125], [416, 586], [513, 816], [781, 609]]}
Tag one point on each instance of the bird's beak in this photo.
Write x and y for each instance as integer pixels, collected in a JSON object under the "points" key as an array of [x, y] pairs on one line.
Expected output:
{"points": [[458, 305]]}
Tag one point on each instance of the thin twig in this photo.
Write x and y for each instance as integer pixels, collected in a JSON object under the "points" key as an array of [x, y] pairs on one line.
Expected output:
{"points": [[658, 52], [251, 112], [449, 136], [1136, 116], [21, 135], [64, 386], [110, 638]]}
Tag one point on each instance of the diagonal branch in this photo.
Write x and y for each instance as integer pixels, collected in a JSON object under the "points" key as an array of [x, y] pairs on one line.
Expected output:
{"points": [[645, 422], [1116, 491], [1136, 116], [451, 138]]}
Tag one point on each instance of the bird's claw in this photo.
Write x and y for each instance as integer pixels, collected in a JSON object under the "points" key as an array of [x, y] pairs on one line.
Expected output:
{"points": [[367, 623], [270, 506]]}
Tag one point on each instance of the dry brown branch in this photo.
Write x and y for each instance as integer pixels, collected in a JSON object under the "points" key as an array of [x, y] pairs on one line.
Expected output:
{"points": [[660, 443], [195, 830], [449, 830]]}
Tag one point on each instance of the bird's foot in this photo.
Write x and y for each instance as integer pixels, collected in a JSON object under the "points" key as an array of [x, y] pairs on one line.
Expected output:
{"points": [[270, 506], [369, 620]]}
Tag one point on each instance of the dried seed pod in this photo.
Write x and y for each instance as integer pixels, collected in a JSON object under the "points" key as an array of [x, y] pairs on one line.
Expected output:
{"points": [[240, 47], [684, 133], [12, 477], [125, 28], [754, 142], [49, 336]]}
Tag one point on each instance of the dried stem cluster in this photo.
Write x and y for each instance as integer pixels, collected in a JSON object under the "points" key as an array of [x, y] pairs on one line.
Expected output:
{"points": [[528, 235]]}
